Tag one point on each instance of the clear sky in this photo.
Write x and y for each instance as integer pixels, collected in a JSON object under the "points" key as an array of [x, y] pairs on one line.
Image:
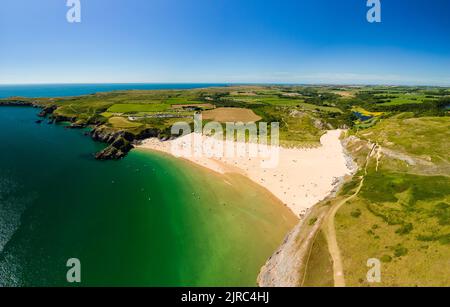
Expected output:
{"points": [[274, 41]]}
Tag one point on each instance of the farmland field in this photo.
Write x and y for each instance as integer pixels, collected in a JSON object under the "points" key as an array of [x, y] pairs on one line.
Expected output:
{"points": [[133, 107], [401, 212], [224, 115]]}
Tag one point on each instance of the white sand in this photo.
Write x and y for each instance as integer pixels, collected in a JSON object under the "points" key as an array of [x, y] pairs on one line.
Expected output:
{"points": [[302, 177]]}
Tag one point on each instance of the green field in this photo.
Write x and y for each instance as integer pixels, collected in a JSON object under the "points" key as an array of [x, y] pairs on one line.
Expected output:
{"points": [[135, 107], [401, 213], [122, 123], [403, 98]]}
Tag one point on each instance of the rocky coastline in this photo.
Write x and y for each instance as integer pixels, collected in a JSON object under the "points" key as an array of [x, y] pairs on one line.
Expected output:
{"points": [[120, 142], [287, 266]]}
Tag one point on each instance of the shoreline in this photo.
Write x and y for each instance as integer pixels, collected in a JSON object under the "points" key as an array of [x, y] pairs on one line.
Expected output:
{"points": [[185, 212], [302, 178]]}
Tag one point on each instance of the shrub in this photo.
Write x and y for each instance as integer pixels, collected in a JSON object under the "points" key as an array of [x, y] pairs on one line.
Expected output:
{"points": [[445, 239], [356, 213], [442, 212], [400, 251], [312, 221], [405, 229], [386, 258]]}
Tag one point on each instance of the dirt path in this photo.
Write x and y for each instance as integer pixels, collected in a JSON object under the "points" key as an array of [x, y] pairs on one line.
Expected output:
{"points": [[330, 231]]}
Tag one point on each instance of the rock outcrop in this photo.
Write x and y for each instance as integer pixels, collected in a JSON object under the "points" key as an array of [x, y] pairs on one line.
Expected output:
{"points": [[120, 142], [17, 103], [60, 118], [117, 150], [285, 268], [76, 125], [47, 111]]}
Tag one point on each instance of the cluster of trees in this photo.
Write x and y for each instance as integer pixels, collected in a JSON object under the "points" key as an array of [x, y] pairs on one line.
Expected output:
{"points": [[427, 108]]}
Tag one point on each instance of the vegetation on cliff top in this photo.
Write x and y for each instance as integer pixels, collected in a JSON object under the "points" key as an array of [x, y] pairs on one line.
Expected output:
{"points": [[400, 215], [404, 204], [303, 112]]}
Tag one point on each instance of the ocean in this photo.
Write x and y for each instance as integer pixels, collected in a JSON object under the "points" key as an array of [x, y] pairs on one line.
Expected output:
{"points": [[62, 90], [146, 220]]}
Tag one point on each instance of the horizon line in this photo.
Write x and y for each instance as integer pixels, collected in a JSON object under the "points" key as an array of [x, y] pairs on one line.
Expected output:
{"points": [[233, 83]]}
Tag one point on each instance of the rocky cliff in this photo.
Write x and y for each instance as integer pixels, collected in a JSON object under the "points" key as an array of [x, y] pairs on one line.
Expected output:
{"points": [[120, 142], [286, 266]]}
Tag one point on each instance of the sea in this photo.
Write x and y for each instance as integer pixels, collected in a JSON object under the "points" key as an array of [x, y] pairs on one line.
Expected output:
{"points": [[146, 220]]}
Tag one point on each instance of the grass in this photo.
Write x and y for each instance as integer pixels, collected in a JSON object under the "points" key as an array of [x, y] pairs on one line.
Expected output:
{"points": [[303, 112], [319, 272], [134, 108], [403, 98], [181, 100], [297, 127], [400, 216], [402, 213], [423, 137], [203, 106], [399, 236], [122, 123]]}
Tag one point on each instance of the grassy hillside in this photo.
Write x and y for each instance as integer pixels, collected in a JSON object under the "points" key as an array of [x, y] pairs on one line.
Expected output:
{"points": [[402, 213], [303, 115]]}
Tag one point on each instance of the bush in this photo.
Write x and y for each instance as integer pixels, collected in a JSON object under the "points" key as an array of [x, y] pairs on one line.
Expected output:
{"points": [[356, 213], [445, 239], [386, 258], [312, 221], [400, 251], [442, 212], [405, 229]]}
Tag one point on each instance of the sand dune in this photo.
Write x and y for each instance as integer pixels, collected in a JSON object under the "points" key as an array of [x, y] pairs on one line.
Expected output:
{"points": [[302, 177]]}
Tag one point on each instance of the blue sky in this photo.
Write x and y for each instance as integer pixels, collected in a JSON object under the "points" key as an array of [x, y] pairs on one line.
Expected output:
{"points": [[281, 41]]}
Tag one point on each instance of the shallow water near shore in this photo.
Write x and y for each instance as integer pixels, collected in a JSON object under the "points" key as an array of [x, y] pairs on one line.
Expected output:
{"points": [[147, 220]]}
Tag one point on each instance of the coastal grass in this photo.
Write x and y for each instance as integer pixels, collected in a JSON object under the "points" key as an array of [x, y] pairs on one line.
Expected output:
{"points": [[400, 216], [424, 137], [412, 241], [147, 220], [134, 108], [300, 132], [122, 123], [297, 128], [182, 101], [319, 271], [324, 108]]}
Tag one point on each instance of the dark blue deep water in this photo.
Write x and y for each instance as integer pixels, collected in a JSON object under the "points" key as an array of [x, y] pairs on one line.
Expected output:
{"points": [[60, 90]]}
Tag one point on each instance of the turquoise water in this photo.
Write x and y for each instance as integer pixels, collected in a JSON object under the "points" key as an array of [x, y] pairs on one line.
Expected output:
{"points": [[147, 220], [60, 90]]}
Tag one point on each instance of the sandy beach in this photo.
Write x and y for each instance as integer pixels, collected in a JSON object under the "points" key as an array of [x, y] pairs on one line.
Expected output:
{"points": [[301, 178]]}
